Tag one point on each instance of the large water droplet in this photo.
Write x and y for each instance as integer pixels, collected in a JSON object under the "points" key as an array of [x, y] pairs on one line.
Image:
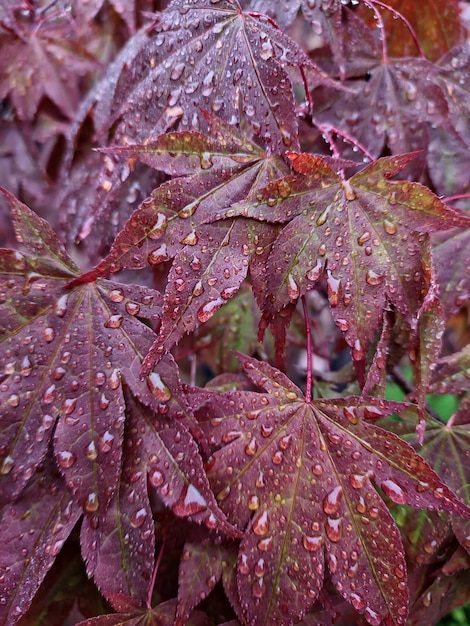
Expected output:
{"points": [[332, 501], [66, 458], [394, 491], [258, 588], [389, 226], [314, 272], [60, 305], [115, 379], [261, 524], [357, 601], [7, 465], [138, 518], [92, 502], [208, 309], [190, 502], [372, 278], [158, 387], [334, 529], [333, 287], [293, 288], [311, 544]]}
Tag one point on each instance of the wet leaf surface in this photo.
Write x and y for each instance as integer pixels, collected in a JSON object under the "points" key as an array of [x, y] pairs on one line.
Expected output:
{"points": [[299, 476]]}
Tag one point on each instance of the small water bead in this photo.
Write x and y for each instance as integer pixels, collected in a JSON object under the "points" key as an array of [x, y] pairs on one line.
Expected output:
{"points": [[243, 566], [69, 405], [106, 441], [251, 447], [253, 503], [91, 503], [48, 334], [372, 278], [66, 458], [13, 400], [49, 394], [333, 287], [293, 288], [277, 457]]}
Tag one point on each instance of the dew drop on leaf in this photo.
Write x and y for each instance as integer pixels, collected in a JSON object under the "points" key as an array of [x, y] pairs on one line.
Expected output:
{"points": [[114, 380], [261, 524], [333, 287], [158, 387], [114, 321], [394, 491], [66, 458], [389, 226], [60, 305], [156, 477], [292, 288], [48, 334], [253, 503], [7, 465], [258, 588], [314, 272], [208, 309], [243, 564], [334, 529], [332, 501], [311, 544], [362, 239], [190, 502], [372, 278], [357, 601], [91, 451], [91, 502], [138, 518]]}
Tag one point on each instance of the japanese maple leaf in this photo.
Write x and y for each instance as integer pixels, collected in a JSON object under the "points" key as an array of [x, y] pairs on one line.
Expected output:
{"points": [[217, 57], [39, 522], [36, 60], [445, 446], [452, 254], [300, 476], [368, 233], [210, 260], [71, 360]]}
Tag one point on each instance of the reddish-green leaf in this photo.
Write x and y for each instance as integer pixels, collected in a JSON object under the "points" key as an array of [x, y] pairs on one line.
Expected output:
{"points": [[38, 523], [369, 234], [300, 476]]}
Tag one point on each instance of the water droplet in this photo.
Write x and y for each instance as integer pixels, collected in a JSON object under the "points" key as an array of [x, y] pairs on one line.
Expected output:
{"points": [[332, 501], [159, 255], [311, 544], [191, 501], [69, 405], [277, 457], [314, 272], [333, 286], [116, 295], [372, 278], [66, 458], [357, 352], [60, 305], [323, 215], [372, 617], [342, 324], [228, 292], [334, 529], [138, 518], [357, 601], [267, 50], [357, 480], [292, 288], [258, 588], [198, 289], [362, 239], [389, 226], [91, 502], [114, 321], [105, 442], [14, 400], [208, 309], [48, 334], [7, 465], [158, 387], [49, 395], [114, 380], [261, 524], [394, 491], [251, 447], [156, 477], [243, 567], [211, 522], [177, 71], [90, 451]]}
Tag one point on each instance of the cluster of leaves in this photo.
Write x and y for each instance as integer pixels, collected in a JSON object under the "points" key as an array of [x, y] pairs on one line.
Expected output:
{"points": [[268, 179]]}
